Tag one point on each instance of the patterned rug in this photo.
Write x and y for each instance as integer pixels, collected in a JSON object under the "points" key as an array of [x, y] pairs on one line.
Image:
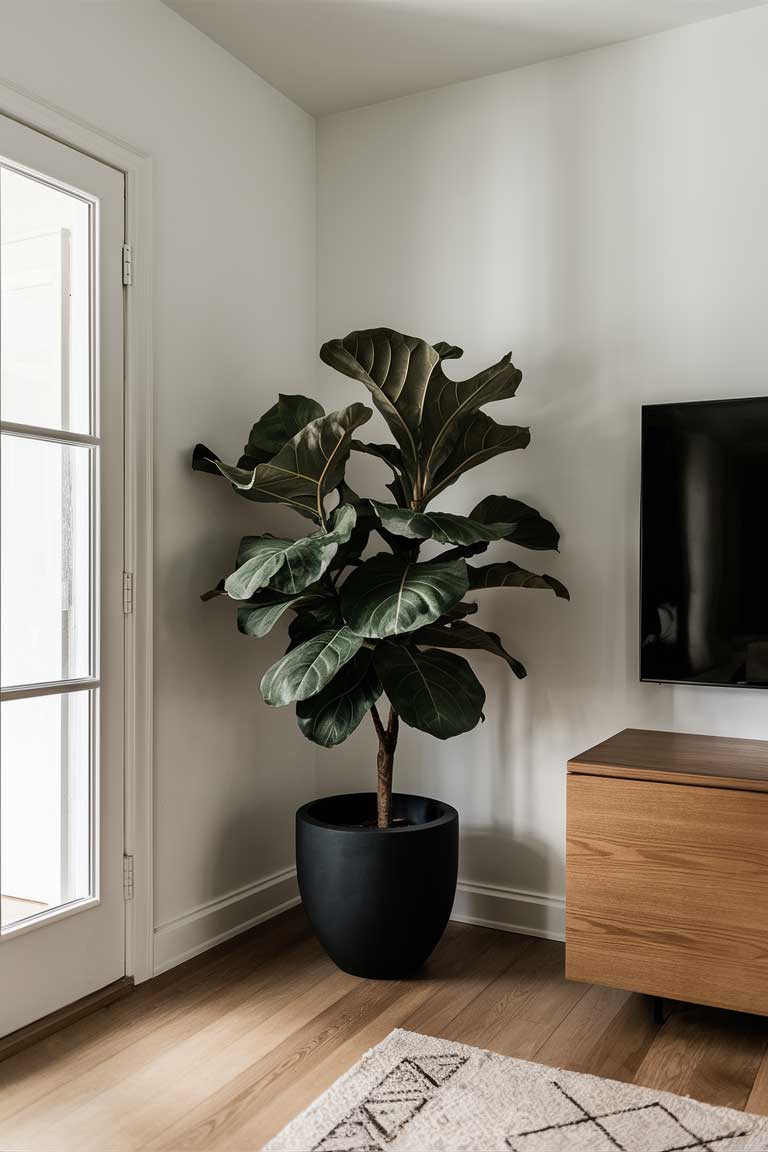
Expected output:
{"points": [[415, 1093]]}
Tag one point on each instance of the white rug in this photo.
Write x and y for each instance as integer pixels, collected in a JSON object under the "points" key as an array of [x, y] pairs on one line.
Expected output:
{"points": [[415, 1093]]}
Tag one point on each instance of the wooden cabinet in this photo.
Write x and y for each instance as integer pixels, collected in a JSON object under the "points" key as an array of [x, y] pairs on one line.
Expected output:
{"points": [[667, 868]]}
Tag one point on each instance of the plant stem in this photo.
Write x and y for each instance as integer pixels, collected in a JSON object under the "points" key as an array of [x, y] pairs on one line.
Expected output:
{"points": [[384, 764]]}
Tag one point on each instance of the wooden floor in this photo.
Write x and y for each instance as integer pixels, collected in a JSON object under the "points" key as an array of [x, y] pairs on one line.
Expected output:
{"points": [[222, 1052]]}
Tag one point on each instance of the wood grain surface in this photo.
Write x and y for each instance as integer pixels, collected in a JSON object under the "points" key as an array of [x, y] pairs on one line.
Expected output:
{"points": [[667, 890], [678, 757], [223, 1051], [55, 1021]]}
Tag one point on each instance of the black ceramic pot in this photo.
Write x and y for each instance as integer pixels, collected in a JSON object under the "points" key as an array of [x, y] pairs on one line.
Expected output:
{"points": [[378, 898]]}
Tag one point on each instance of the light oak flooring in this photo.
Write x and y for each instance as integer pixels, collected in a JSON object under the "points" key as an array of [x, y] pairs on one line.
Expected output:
{"points": [[221, 1052]]}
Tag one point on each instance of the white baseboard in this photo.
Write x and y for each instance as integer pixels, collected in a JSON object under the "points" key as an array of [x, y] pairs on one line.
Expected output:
{"points": [[510, 909], [209, 924], [488, 905]]}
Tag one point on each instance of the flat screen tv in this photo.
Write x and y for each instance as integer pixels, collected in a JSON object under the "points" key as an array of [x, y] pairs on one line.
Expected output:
{"points": [[704, 543]]}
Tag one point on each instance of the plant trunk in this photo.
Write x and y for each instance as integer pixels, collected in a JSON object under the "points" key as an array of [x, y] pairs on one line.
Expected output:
{"points": [[384, 765]]}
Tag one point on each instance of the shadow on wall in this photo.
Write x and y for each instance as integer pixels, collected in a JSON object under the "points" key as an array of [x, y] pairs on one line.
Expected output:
{"points": [[229, 784], [600, 222], [497, 857]]}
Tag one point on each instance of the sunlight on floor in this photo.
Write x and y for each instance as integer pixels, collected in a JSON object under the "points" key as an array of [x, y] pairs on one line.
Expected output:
{"points": [[13, 909]]}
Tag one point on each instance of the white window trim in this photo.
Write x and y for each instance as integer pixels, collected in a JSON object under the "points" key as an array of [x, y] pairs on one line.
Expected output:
{"points": [[139, 462]]}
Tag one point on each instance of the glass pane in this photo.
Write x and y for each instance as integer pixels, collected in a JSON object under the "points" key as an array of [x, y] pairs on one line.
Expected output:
{"points": [[45, 519], [44, 305], [45, 803]]}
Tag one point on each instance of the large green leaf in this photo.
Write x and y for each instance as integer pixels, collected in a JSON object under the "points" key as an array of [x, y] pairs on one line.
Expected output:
{"points": [[434, 691], [333, 714], [435, 420], [460, 634], [444, 527], [509, 575], [304, 470], [277, 426], [258, 559], [450, 407], [396, 370], [530, 529], [288, 566], [388, 595], [258, 619], [305, 670], [259, 615], [478, 438]]}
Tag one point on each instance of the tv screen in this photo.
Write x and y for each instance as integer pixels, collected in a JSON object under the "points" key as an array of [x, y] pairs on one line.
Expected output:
{"points": [[704, 544]]}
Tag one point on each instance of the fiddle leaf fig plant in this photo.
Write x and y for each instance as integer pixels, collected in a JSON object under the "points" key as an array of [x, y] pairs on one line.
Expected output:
{"points": [[386, 623]]}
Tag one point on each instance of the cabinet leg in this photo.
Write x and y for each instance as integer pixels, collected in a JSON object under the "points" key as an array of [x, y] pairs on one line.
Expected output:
{"points": [[657, 1010]]}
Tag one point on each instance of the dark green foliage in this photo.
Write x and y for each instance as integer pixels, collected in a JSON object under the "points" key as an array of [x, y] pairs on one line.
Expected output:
{"points": [[277, 426], [431, 690], [362, 626], [303, 472], [334, 713], [459, 634], [389, 596], [511, 575]]}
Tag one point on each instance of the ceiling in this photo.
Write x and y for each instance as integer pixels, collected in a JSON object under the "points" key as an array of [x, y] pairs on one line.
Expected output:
{"points": [[330, 55]]}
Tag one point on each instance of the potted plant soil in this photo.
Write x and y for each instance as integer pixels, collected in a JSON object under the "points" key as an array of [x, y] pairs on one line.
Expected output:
{"points": [[372, 623]]}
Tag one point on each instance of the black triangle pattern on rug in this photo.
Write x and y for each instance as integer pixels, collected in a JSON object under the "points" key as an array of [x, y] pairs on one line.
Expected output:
{"points": [[426, 1092], [392, 1104]]}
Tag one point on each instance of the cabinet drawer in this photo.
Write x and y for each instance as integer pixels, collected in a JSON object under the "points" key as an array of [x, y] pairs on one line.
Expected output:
{"points": [[667, 890]]}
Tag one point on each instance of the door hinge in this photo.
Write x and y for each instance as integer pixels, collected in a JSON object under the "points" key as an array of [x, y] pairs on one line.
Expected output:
{"points": [[127, 264], [128, 593], [128, 877]]}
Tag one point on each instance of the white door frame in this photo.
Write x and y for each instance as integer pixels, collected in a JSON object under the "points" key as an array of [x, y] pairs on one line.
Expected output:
{"points": [[138, 532]]}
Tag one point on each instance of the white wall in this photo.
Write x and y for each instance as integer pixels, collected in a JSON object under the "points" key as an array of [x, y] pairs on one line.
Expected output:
{"points": [[604, 216], [234, 322]]}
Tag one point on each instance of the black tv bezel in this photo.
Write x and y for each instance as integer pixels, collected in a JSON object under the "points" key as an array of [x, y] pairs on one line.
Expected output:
{"points": [[654, 679]]}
